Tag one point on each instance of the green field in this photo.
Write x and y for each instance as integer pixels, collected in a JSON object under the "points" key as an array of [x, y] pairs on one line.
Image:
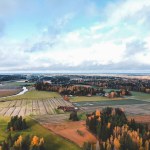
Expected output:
{"points": [[92, 98], [14, 84], [33, 94], [110, 102], [20, 83], [52, 142], [141, 96]]}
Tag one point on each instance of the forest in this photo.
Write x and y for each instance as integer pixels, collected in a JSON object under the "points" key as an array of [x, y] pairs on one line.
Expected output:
{"points": [[114, 131]]}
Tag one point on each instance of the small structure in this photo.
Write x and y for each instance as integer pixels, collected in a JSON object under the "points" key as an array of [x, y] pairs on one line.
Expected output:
{"points": [[67, 108]]}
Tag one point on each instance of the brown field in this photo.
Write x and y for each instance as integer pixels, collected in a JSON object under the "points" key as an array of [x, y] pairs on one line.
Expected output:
{"points": [[32, 107], [68, 130], [8, 92], [141, 119], [60, 125]]}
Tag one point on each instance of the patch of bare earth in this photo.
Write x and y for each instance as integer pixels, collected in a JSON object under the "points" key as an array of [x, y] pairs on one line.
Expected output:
{"points": [[141, 119], [8, 92], [68, 130]]}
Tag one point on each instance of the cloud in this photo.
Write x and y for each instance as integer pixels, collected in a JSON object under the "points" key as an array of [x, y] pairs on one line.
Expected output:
{"points": [[134, 47], [120, 41], [2, 28]]}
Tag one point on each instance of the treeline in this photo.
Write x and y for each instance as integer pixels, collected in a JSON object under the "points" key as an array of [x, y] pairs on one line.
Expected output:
{"points": [[12, 77], [19, 142], [80, 90], [68, 89], [115, 132], [116, 83], [56, 79], [16, 123]]}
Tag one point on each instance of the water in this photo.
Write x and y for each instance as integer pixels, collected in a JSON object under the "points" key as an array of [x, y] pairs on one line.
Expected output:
{"points": [[22, 92]]}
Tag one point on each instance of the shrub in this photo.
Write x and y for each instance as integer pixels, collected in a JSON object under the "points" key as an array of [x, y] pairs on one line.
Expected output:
{"points": [[17, 123]]}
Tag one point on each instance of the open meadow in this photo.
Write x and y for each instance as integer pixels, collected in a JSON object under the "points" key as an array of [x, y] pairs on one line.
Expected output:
{"points": [[34, 95], [92, 98], [141, 96], [52, 141]]}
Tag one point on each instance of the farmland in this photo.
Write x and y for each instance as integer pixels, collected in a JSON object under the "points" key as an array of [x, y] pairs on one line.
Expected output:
{"points": [[141, 96], [92, 98], [51, 141], [12, 88], [8, 92], [131, 106], [35, 95], [40, 109], [32, 107]]}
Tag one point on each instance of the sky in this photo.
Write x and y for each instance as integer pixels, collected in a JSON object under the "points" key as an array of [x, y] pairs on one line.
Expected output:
{"points": [[93, 36]]}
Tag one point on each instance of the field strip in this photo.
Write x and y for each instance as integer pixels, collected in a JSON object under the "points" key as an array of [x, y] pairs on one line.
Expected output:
{"points": [[16, 111], [37, 107], [10, 111], [42, 108], [52, 108], [46, 107], [22, 111], [4, 110], [8, 103], [13, 103], [29, 108], [24, 103], [34, 107], [60, 102], [1, 109], [67, 103], [58, 118], [19, 102], [53, 104]]}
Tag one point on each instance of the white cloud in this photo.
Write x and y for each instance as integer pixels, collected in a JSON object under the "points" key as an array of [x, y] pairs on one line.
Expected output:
{"points": [[115, 43]]}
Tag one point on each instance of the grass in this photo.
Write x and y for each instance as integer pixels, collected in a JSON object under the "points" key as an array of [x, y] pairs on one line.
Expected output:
{"points": [[33, 94], [52, 141], [16, 84], [141, 96], [111, 103], [92, 99], [82, 116]]}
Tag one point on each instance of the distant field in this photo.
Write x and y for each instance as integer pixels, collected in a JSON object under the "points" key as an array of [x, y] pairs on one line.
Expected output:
{"points": [[141, 96], [110, 102], [8, 92], [92, 98], [33, 94], [15, 83], [52, 141]]}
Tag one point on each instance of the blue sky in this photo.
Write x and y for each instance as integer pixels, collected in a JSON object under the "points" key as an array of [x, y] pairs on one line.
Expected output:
{"points": [[75, 36]]}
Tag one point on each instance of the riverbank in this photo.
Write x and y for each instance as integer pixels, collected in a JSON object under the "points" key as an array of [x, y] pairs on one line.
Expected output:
{"points": [[5, 93]]}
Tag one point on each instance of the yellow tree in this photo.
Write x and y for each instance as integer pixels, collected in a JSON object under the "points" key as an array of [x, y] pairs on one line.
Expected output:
{"points": [[116, 144], [35, 140]]}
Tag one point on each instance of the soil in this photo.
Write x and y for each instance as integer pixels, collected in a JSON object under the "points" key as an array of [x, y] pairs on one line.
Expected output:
{"points": [[8, 92], [141, 119], [68, 130]]}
